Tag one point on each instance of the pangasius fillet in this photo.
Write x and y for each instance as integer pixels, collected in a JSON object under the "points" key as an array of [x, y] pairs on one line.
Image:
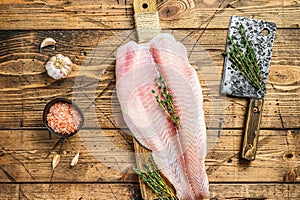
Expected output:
{"points": [[178, 150]]}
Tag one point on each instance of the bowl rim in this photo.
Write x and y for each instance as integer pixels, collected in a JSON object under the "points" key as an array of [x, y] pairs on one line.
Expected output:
{"points": [[63, 100]]}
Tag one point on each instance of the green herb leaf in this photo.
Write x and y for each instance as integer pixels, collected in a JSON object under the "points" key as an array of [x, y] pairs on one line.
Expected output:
{"points": [[151, 176], [243, 58], [166, 101]]}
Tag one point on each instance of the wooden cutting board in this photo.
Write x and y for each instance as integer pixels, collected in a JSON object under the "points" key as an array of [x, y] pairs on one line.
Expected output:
{"points": [[147, 26]]}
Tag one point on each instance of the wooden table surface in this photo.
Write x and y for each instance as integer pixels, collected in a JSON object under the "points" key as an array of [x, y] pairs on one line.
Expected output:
{"points": [[89, 32]]}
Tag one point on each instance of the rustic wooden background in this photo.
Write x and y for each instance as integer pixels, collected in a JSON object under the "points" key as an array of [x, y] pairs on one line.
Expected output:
{"points": [[89, 32]]}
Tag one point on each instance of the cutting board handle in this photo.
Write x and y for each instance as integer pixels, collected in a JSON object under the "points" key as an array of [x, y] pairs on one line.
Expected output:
{"points": [[146, 19], [141, 6], [147, 26], [250, 141]]}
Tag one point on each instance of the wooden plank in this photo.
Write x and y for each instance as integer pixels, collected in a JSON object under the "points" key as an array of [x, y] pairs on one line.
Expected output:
{"points": [[255, 191], [277, 153], [9, 191], [107, 14], [69, 191], [11, 84], [100, 191], [25, 87], [107, 156]]}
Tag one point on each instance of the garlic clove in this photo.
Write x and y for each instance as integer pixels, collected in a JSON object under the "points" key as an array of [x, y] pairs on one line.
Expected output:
{"points": [[55, 161], [64, 72], [47, 42], [54, 73], [75, 160], [67, 61], [59, 66]]}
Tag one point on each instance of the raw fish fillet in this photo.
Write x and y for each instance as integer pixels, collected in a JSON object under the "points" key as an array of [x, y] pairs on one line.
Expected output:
{"points": [[179, 152]]}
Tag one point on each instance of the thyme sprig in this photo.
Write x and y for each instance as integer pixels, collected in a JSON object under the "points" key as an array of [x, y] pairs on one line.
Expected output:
{"points": [[166, 100], [243, 58], [151, 176]]}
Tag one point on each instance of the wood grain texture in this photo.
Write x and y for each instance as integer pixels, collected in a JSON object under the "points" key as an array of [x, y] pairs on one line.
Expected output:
{"points": [[69, 191], [252, 128], [106, 156], [26, 88], [255, 191], [131, 192], [107, 14], [26, 156], [89, 32]]}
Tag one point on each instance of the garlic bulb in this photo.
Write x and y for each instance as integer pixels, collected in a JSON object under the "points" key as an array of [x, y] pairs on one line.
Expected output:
{"points": [[59, 66]]}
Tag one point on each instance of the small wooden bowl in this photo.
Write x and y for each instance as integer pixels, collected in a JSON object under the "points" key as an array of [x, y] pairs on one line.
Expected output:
{"points": [[62, 100]]}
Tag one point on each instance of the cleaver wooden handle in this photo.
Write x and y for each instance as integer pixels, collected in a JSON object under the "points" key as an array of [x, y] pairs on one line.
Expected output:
{"points": [[252, 129]]}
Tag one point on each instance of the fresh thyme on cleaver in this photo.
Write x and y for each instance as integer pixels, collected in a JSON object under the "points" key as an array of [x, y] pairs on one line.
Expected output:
{"points": [[243, 58]]}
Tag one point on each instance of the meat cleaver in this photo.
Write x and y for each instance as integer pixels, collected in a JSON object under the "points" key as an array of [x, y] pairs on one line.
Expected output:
{"points": [[260, 35]]}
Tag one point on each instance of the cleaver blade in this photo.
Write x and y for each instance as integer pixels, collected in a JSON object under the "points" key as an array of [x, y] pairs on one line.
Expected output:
{"points": [[261, 35]]}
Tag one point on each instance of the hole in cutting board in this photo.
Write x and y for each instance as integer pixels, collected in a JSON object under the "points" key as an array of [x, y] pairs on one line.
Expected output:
{"points": [[145, 5]]}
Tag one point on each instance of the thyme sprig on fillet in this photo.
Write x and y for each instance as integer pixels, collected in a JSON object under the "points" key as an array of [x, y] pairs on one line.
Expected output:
{"points": [[243, 58], [166, 100], [151, 176]]}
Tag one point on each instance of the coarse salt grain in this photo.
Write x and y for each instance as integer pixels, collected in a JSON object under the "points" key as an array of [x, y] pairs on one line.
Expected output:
{"points": [[63, 118]]}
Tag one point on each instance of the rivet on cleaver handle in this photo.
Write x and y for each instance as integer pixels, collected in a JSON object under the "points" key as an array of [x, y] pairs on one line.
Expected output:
{"points": [[252, 129]]}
